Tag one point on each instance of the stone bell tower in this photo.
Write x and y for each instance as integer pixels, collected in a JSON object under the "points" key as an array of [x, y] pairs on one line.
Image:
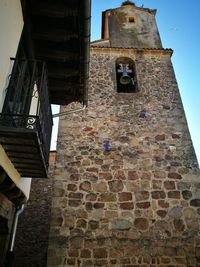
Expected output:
{"points": [[126, 181]]}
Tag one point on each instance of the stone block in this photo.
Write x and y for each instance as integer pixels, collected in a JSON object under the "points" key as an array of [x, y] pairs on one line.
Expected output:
{"points": [[76, 242], [186, 194], [174, 175], [85, 253], [142, 195], [158, 194], [85, 186], [121, 224], [72, 187], [174, 194], [160, 137], [105, 176], [125, 196], [195, 202], [116, 186], [108, 197], [132, 175], [127, 205], [100, 253], [169, 185], [143, 205], [141, 223], [100, 187]]}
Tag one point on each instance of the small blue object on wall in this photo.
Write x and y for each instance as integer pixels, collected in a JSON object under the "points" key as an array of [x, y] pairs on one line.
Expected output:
{"points": [[106, 145], [143, 114]]}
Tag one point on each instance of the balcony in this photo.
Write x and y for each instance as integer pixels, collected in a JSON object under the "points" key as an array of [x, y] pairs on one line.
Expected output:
{"points": [[26, 119]]}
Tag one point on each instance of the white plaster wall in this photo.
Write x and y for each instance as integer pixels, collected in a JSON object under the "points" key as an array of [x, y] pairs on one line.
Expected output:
{"points": [[23, 184], [11, 25], [34, 101]]}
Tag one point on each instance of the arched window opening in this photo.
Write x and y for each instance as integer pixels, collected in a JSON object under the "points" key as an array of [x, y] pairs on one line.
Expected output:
{"points": [[126, 76]]}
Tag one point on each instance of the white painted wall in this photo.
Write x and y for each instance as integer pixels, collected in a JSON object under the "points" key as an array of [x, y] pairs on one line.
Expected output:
{"points": [[24, 184], [11, 25], [34, 101]]}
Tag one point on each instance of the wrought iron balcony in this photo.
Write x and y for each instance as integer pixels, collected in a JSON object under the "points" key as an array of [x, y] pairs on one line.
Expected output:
{"points": [[26, 119]]}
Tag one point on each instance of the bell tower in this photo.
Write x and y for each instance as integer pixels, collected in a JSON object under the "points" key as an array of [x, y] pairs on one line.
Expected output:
{"points": [[126, 181]]}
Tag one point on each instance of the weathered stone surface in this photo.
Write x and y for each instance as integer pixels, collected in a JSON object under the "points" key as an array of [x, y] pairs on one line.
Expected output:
{"points": [[162, 213], [91, 197], [98, 205], [121, 224], [71, 187], [93, 224], [160, 137], [119, 174], [105, 176], [143, 205], [116, 186], [85, 253], [179, 225], [163, 204], [157, 184], [174, 194], [125, 196], [133, 205], [76, 195], [85, 186], [169, 185], [176, 212], [195, 202], [76, 242], [75, 203], [174, 175], [132, 175], [187, 194], [160, 174], [127, 205], [108, 197], [141, 223], [158, 194], [141, 195], [100, 253], [100, 187]]}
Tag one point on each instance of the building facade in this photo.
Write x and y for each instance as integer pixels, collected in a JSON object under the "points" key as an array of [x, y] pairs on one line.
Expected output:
{"points": [[126, 179], [44, 60]]}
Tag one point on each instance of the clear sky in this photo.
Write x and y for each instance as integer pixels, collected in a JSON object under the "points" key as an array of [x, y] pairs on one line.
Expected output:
{"points": [[179, 26]]}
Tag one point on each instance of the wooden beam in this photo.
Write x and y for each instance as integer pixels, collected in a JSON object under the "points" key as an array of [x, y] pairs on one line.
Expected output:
{"points": [[16, 141], [53, 10], [58, 56], [62, 72], [20, 148], [20, 155], [54, 35]]}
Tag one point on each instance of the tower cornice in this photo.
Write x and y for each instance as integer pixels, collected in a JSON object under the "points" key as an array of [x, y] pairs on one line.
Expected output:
{"points": [[155, 51]]}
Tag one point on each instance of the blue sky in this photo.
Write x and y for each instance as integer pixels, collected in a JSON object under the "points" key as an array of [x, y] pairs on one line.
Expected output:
{"points": [[178, 23]]}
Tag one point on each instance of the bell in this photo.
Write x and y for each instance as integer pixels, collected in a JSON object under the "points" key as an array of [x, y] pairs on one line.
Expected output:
{"points": [[125, 79]]}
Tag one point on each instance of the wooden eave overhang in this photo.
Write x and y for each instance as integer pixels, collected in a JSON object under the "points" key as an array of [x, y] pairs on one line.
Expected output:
{"points": [[60, 35]]}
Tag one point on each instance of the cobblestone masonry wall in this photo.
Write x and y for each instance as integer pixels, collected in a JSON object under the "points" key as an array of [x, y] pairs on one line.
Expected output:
{"points": [[7, 211], [139, 203], [33, 228]]}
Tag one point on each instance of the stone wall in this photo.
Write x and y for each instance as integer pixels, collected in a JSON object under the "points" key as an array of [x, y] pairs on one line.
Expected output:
{"points": [[33, 227], [137, 204], [7, 210], [141, 32]]}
